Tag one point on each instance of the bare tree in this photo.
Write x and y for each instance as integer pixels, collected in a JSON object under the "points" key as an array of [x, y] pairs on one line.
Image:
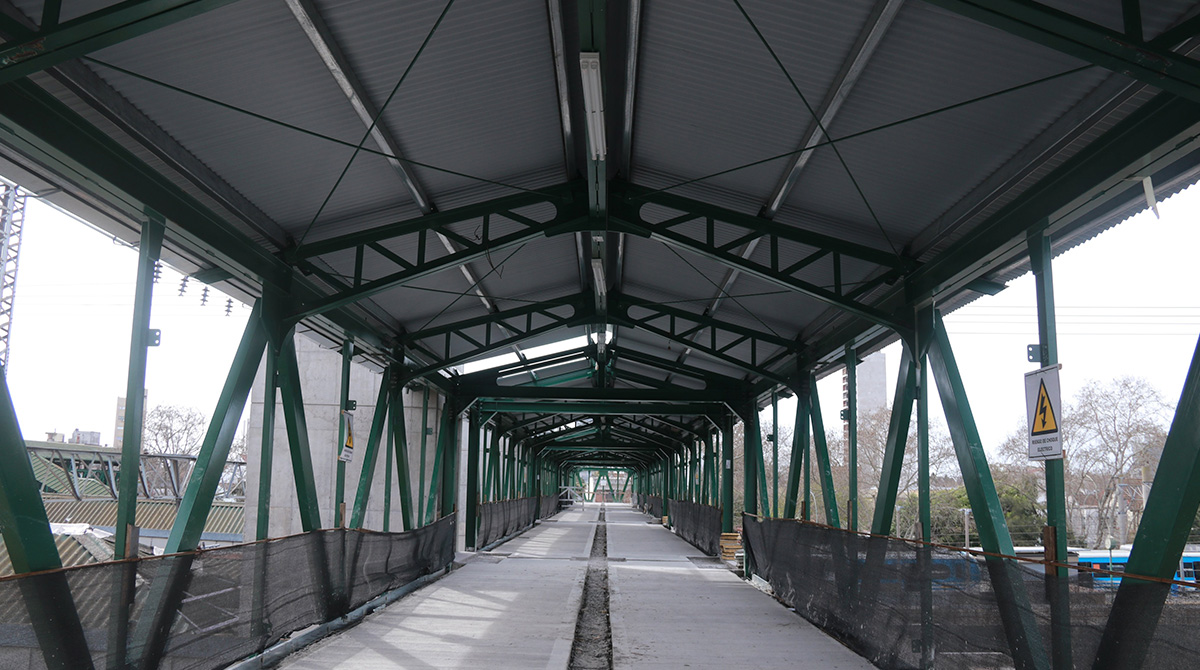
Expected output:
{"points": [[173, 429]]}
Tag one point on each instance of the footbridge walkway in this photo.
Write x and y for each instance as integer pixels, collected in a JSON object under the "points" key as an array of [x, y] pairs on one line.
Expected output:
{"points": [[531, 601]]}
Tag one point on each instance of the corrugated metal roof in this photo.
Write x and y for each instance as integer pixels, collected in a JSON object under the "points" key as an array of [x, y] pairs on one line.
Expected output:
{"points": [[224, 518]]}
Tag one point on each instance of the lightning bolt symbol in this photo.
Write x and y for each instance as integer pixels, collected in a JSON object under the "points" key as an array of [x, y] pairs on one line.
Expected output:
{"points": [[1042, 409]]}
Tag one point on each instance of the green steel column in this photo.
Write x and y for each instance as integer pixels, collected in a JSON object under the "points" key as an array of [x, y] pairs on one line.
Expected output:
{"points": [[893, 457], [852, 435], [435, 483], [1040, 260], [400, 442], [371, 456], [923, 448], [799, 449], [135, 387], [31, 548], [472, 511], [1020, 626], [775, 453], [1166, 523], [669, 474], [727, 473], [821, 447], [424, 442], [706, 471], [448, 499], [266, 454], [339, 496]]}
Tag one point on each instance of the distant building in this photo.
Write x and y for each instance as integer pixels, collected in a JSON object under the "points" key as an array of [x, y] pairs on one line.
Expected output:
{"points": [[91, 437], [871, 380], [119, 427]]}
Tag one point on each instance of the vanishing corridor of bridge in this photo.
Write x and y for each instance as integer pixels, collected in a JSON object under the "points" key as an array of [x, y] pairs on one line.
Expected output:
{"points": [[706, 205]]}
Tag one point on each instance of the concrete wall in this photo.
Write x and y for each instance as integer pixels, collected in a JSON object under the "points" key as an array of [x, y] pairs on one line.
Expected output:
{"points": [[320, 380]]}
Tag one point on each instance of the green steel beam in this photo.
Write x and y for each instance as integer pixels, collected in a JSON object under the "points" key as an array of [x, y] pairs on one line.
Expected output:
{"points": [[387, 481], [893, 457], [852, 435], [1020, 625], [339, 493], [1087, 41], [821, 449], [593, 394], [371, 454], [424, 454], [712, 379], [448, 446], [149, 249], [1166, 523], [31, 548], [197, 501], [59, 42]]}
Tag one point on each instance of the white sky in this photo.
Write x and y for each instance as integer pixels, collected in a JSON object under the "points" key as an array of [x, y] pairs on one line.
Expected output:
{"points": [[1127, 305]]}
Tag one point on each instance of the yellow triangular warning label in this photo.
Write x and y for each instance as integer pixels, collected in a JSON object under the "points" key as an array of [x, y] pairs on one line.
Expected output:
{"points": [[1044, 420]]}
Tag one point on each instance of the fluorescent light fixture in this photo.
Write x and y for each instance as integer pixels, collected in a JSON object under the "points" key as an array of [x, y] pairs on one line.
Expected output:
{"points": [[598, 275], [593, 103]]}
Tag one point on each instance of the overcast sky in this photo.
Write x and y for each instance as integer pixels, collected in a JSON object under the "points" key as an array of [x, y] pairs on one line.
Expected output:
{"points": [[1127, 305]]}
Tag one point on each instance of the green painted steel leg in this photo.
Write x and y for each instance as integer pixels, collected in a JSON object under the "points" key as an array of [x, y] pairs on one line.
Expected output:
{"points": [[852, 435], [400, 442], [266, 453], [727, 474], [1020, 625], [339, 496], [297, 429], [472, 511], [893, 458], [1056, 492], [799, 448], [821, 449], [371, 456], [923, 514], [387, 482], [775, 453], [26, 531], [153, 230], [448, 500], [424, 450], [1166, 523]]}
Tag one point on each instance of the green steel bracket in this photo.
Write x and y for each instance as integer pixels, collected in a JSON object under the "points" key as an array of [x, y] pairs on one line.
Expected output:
{"points": [[893, 457], [824, 468], [31, 548], [371, 455], [59, 42], [1153, 64], [1166, 523], [149, 249], [1020, 624]]}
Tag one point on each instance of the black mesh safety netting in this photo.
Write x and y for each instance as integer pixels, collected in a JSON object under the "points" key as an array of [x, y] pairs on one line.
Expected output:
{"points": [[639, 501], [654, 506], [904, 604], [698, 524], [209, 608], [547, 506], [499, 519]]}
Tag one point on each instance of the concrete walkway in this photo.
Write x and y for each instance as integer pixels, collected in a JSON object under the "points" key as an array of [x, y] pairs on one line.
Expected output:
{"points": [[668, 611], [516, 607]]}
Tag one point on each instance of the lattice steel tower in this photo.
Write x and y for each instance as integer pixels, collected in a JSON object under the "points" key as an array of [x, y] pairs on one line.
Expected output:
{"points": [[12, 216]]}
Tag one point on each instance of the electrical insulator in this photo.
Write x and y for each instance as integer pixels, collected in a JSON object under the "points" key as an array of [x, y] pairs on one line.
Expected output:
{"points": [[204, 297], [183, 287], [157, 271], [229, 307]]}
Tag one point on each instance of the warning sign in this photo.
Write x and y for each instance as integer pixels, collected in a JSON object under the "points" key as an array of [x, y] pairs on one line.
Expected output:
{"points": [[347, 453], [1043, 404]]}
